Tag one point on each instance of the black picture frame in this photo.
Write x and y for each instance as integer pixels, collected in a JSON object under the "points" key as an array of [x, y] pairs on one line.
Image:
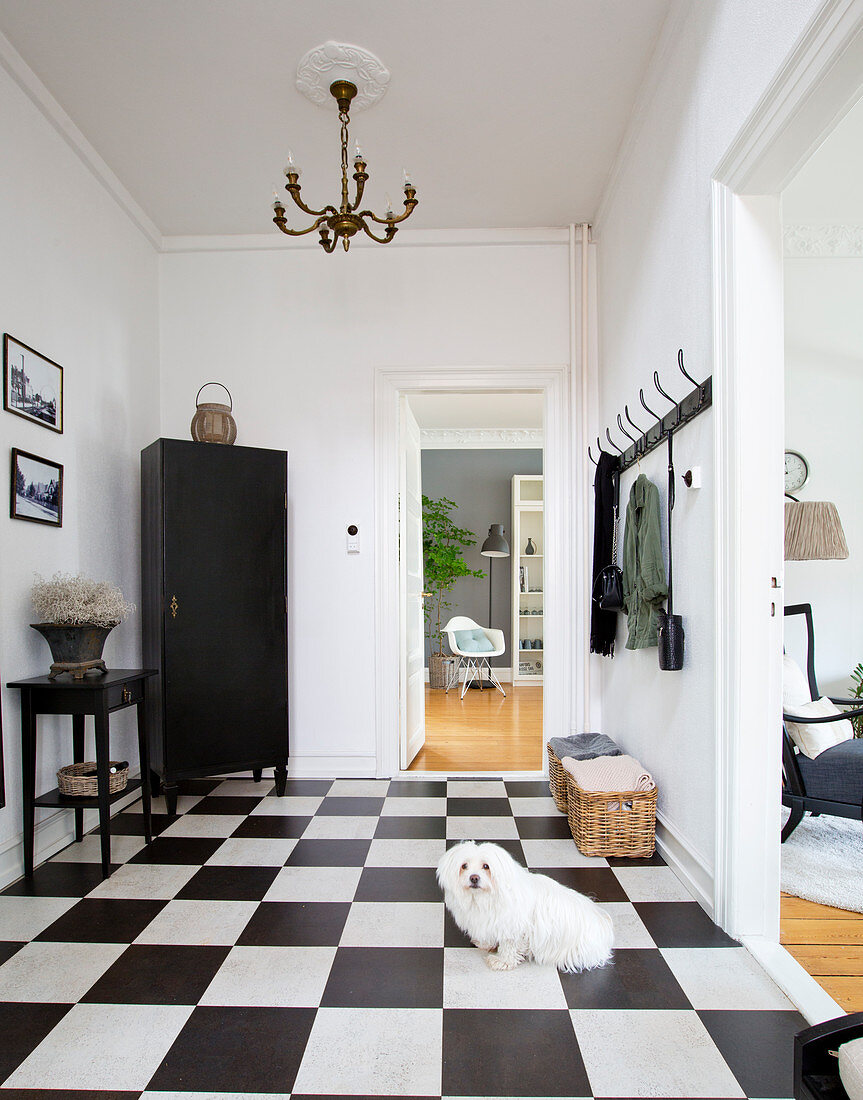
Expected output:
{"points": [[32, 385], [41, 501]]}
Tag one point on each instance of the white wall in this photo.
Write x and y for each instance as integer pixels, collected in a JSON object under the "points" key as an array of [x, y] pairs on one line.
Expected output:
{"points": [[297, 336], [78, 283], [823, 399], [654, 255]]}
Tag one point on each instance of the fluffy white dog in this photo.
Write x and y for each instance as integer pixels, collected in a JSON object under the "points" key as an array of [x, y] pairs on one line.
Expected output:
{"points": [[497, 903]]}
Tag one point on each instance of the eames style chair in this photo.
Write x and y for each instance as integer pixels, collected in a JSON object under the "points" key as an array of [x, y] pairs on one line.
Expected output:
{"points": [[474, 645]]}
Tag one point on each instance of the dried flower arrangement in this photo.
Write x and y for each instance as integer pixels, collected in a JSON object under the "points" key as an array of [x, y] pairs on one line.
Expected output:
{"points": [[75, 600]]}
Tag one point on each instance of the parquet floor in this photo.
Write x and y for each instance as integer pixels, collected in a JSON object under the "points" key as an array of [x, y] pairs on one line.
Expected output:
{"points": [[828, 944], [483, 731]]}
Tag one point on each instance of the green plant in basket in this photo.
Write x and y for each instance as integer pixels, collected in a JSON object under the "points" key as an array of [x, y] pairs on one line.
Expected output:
{"points": [[443, 562], [856, 690]]}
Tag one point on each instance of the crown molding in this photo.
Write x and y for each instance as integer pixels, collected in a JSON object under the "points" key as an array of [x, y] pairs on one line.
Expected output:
{"points": [[824, 241], [30, 84], [451, 438]]}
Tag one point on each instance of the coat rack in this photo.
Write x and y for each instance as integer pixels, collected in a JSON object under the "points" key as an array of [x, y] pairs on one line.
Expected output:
{"points": [[694, 403]]}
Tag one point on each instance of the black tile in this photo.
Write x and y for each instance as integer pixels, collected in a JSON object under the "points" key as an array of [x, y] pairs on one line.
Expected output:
{"points": [[158, 975], [350, 807], [632, 980], [598, 883], [59, 880], [23, 1027], [8, 948], [296, 924], [226, 804], [236, 1050], [398, 884], [478, 807], [68, 1094], [420, 788], [512, 846], [197, 786], [267, 827], [385, 977], [411, 828], [681, 924], [178, 850], [527, 788], [132, 824], [758, 1047], [655, 860], [305, 787], [103, 920], [511, 1052], [329, 853], [228, 883], [543, 828], [452, 934]]}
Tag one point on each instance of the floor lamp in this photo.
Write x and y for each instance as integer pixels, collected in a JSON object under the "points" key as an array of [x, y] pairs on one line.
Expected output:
{"points": [[495, 546]]}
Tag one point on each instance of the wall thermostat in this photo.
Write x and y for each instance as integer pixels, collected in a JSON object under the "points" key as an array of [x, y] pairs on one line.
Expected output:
{"points": [[353, 539]]}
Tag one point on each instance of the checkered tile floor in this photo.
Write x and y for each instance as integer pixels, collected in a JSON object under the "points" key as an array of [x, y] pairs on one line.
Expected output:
{"points": [[299, 946]]}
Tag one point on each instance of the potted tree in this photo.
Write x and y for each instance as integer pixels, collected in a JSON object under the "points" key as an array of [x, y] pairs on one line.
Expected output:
{"points": [[443, 563]]}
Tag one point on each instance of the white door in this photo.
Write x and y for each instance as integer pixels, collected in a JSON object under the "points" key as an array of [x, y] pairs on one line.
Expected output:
{"points": [[412, 634]]}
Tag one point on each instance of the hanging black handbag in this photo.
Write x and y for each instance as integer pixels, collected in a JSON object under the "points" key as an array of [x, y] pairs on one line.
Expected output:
{"points": [[608, 586], [670, 636]]}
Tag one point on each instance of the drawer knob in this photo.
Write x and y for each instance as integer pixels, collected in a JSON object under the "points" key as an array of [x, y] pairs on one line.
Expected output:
{"points": [[127, 695], [175, 607]]}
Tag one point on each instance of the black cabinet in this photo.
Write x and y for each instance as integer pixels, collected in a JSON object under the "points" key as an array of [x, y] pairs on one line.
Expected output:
{"points": [[214, 609]]}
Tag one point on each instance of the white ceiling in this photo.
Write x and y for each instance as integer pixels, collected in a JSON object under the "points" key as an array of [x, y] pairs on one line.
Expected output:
{"points": [[477, 410], [508, 113], [828, 189]]}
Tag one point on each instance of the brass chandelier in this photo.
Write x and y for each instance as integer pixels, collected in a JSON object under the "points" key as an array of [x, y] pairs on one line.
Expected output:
{"points": [[345, 220]]}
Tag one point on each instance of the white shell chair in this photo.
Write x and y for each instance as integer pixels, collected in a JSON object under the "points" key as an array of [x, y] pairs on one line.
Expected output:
{"points": [[476, 665]]}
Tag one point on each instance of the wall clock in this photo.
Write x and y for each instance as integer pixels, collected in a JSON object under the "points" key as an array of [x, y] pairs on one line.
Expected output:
{"points": [[796, 471]]}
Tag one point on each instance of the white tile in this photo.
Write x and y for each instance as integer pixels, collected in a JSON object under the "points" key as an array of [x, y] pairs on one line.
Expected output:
{"points": [[469, 982], [243, 788], [205, 825], [23, 918], [535, 807], [145, 880], [666, 1053], [557, 853], [158, 805], [199, 923], [380, 924], [61, 972], [252, 852], [102, 1047], [341, 828], [271, 977], [89, 850], [381, 1052], [213, 1096], [289, 806], [476, 788], [651, 884], [629, 929], [481, 828], [405, 853], [359, 788], [314, 884], [724, 979], [414, 807]]}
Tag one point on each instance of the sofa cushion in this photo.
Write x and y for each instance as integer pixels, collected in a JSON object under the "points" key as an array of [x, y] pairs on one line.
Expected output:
{"points": [[795, 686], [473, 641], [813, 738], [837, 774]]}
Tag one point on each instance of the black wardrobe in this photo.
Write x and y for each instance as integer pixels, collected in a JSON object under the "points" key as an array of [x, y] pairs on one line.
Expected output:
{"points": [[214, 609]]}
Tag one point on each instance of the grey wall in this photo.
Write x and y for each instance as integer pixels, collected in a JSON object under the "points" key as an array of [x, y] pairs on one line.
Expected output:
{"points": [[480, 482]]}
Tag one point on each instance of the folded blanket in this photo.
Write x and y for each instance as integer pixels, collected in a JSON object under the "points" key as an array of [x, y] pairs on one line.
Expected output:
{"points": [[609, 773], [583, 746]]}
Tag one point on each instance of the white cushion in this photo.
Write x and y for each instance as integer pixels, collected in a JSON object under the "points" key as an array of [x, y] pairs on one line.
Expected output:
{"points": [[795, 686], [851, 1068], [814, 739]]}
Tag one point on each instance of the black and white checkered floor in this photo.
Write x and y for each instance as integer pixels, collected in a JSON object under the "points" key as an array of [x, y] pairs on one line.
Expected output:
{"points": [[299, 946]]}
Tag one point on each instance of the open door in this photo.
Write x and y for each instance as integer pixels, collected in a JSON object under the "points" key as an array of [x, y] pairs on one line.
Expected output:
{"points": [[412, 633]]}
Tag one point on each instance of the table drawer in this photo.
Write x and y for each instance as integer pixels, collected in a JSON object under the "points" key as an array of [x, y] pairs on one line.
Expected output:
{"points": [[123, 695]]}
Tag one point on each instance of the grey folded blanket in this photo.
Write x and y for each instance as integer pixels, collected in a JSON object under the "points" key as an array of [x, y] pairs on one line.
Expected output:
{"points": [[583, 746]]}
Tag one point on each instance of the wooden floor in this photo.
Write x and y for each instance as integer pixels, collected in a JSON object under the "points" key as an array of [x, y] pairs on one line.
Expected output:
{"points": [[828, 943], [483, 731]]}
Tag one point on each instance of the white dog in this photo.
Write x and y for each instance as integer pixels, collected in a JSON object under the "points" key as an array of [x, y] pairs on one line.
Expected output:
{"points": [[497, 903]]}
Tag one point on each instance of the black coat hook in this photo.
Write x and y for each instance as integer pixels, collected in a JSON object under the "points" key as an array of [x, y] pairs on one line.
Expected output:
{"points": [[642, 439], [631, 438], [611, 441], [667, 396], [590, 456], [683, 369], [655, 415]]}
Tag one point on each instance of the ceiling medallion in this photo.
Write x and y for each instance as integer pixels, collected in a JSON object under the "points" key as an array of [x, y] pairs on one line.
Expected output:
{"points": [[353, 77]]}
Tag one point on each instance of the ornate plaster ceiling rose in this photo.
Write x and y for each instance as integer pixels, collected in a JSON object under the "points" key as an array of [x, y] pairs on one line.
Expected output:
{"points": [[342, 61]]}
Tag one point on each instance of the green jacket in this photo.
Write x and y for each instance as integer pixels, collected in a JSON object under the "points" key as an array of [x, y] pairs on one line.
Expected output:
{"points": [[644, 586]]}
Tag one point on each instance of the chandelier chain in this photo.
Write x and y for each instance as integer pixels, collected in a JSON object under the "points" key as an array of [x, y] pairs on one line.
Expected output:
{"points": [[344, 118]]}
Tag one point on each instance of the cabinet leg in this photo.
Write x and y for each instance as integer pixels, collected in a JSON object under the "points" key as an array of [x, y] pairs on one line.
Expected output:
{"points": [[78, 757], [171, 791], [103, 763], [28, 776], [144, 759], [281, 774], [257, 773]]}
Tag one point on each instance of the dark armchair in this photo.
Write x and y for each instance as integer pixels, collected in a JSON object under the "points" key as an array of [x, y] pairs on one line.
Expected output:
{"points": [[816, 1072], [832, 783]]}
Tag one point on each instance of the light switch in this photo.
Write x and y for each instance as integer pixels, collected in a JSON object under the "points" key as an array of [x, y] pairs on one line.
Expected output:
{"points": [[353, 539]]}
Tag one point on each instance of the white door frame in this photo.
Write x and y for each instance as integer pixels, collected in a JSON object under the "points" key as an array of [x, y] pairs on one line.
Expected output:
{"points": [[817, 85], [553, 383]]}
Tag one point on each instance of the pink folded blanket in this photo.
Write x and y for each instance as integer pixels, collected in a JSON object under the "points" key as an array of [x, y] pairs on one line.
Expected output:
{"points": [[609, 773]]}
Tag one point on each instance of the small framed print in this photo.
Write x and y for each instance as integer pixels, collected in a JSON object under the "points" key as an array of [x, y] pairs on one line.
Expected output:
{"points": [[32, 385], [37, 489]]}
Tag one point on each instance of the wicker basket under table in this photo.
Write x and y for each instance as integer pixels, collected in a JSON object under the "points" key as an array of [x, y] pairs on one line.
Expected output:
{"points": [[556, 780], [71, 783], [629, 830]]}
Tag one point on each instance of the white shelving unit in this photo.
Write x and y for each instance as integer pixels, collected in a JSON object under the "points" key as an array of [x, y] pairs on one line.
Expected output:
{"points": [[528, 585]]}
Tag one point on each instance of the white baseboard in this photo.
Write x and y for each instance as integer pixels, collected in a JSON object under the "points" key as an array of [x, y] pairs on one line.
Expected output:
{"points": [[813, 1002], [332, 767], [689, 867]]}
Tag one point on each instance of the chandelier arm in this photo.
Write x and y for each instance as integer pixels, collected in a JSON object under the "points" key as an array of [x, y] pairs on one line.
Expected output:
{"points": [[299, 232], [409, 203], [361, 178], [293, 190], [391, 232], [328, 245]]}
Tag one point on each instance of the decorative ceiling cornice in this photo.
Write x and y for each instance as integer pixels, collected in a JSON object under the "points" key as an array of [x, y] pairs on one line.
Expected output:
{"points": [[824, 241], [446, 438]]}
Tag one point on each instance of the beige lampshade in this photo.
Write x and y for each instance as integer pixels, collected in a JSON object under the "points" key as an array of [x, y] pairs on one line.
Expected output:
{"points": [[813, 531]]}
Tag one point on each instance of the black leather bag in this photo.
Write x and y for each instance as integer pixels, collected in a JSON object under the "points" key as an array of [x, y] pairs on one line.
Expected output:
{"points": [[608, 586], [670, 639]]}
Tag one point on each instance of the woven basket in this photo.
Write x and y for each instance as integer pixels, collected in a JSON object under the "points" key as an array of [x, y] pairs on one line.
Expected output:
{"points": [[556, 780], [70, 781], [598, 830]]}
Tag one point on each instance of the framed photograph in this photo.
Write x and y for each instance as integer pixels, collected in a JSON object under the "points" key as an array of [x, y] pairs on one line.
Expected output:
{"points": [[32, 385], [522, 579], [37, 489]]}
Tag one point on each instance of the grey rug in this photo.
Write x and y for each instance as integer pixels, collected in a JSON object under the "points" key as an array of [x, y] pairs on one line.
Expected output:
{"points": [[822, 861]]}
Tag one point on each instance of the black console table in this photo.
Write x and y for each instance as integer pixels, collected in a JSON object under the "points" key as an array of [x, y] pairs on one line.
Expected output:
{"points": [[100, 696]]}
